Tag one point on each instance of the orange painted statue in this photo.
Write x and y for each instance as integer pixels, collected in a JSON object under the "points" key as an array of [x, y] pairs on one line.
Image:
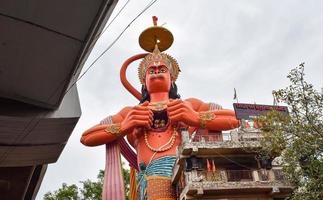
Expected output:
{"points": [[153, 128]]}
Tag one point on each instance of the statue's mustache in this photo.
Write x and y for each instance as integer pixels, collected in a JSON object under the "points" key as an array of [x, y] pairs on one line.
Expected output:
{"points": [[156, 76]]}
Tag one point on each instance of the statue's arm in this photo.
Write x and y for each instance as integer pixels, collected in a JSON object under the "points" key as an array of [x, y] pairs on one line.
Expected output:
{"points": [[216, 119], [103, 133], [121, 124], [196, 113]]}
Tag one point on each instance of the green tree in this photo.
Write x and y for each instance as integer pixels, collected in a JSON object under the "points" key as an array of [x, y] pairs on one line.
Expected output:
{"points": [[90, 190], [299, 136], [126, 178], [66, 192]]}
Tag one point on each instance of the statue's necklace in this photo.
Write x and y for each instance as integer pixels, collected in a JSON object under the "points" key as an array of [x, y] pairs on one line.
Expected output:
{"points": [[158, 106], [168, 145]]}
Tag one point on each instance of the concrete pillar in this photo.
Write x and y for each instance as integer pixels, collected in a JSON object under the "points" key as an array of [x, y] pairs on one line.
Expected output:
{"points": [[271, 175], [223, 176], [255, 175]]}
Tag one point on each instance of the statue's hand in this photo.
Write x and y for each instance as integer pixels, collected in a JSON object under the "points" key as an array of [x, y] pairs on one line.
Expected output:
{"points": [[182, 111], [138, 116]]}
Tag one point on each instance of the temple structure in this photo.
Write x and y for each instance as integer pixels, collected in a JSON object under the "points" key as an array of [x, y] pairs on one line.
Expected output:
{"points": [[215, 165]]}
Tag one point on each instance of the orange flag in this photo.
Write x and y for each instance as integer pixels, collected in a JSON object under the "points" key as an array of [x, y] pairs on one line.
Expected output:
{"points": [[213, 166], [208, 165]]}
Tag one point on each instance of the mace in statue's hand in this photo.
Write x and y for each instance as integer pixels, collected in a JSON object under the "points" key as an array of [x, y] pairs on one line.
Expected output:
{"points": [[138, 116], [182, 111]]}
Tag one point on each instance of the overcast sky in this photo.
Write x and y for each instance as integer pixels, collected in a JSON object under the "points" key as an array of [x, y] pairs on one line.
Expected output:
{"points": [[219, 45]]}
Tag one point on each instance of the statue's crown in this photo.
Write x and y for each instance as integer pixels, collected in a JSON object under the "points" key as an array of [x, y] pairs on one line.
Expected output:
{"points": [[155, 39], [157, 56]]}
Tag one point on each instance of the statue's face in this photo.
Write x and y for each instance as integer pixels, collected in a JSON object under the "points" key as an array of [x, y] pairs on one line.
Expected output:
{"points": [[158, 78]]}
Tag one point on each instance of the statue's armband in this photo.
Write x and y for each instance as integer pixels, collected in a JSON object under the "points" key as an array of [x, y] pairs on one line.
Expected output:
{"points": [[114, 129], [205, 117]]}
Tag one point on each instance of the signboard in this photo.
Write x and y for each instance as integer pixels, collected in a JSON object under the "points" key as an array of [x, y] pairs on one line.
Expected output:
{"points": [[250, 111]]}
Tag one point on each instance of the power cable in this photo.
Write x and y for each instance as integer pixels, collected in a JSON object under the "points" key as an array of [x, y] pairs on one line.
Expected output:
{"points": [[233, 161], [106, 28], [109, 47]]}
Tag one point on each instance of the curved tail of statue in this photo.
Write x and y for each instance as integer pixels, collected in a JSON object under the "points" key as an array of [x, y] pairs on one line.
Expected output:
{"points": [[123, 75]]}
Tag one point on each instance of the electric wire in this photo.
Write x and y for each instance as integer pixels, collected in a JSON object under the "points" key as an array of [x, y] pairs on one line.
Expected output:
{"points": [[106, 28], [111, 45], [233, 161]]}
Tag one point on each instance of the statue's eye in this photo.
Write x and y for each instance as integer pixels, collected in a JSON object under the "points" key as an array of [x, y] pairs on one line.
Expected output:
{"points": [[163, 70], [151, 71]]}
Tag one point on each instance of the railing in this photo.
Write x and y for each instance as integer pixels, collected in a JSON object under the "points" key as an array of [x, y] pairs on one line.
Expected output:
{"points": [[234, 176], [250, 136], [233, 136], [210, 175], [239, 175], [207, 138], [263, 175], [213, 176]]}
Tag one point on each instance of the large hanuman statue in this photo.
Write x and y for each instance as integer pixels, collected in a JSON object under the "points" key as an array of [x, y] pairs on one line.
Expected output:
{"points": [[153, 126]]}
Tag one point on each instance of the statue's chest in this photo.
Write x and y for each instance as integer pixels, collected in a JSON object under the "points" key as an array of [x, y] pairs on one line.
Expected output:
{"points": [[160, 141], [159, 134]]}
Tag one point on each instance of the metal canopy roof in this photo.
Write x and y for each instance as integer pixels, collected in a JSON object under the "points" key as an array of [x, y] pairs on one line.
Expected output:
{"points": [[43, 46], [43, 43]]}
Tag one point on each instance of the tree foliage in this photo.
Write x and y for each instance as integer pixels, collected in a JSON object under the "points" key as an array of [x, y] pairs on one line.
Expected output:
{"points": [[90, 190], [66, 192], [298, 138]]}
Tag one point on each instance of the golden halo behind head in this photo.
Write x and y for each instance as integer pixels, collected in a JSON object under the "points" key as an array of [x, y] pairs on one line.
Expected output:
{"points": [[156, 35]]}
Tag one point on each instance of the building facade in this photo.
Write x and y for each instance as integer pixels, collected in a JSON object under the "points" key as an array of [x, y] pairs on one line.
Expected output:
{"points": [[227, 166]]}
